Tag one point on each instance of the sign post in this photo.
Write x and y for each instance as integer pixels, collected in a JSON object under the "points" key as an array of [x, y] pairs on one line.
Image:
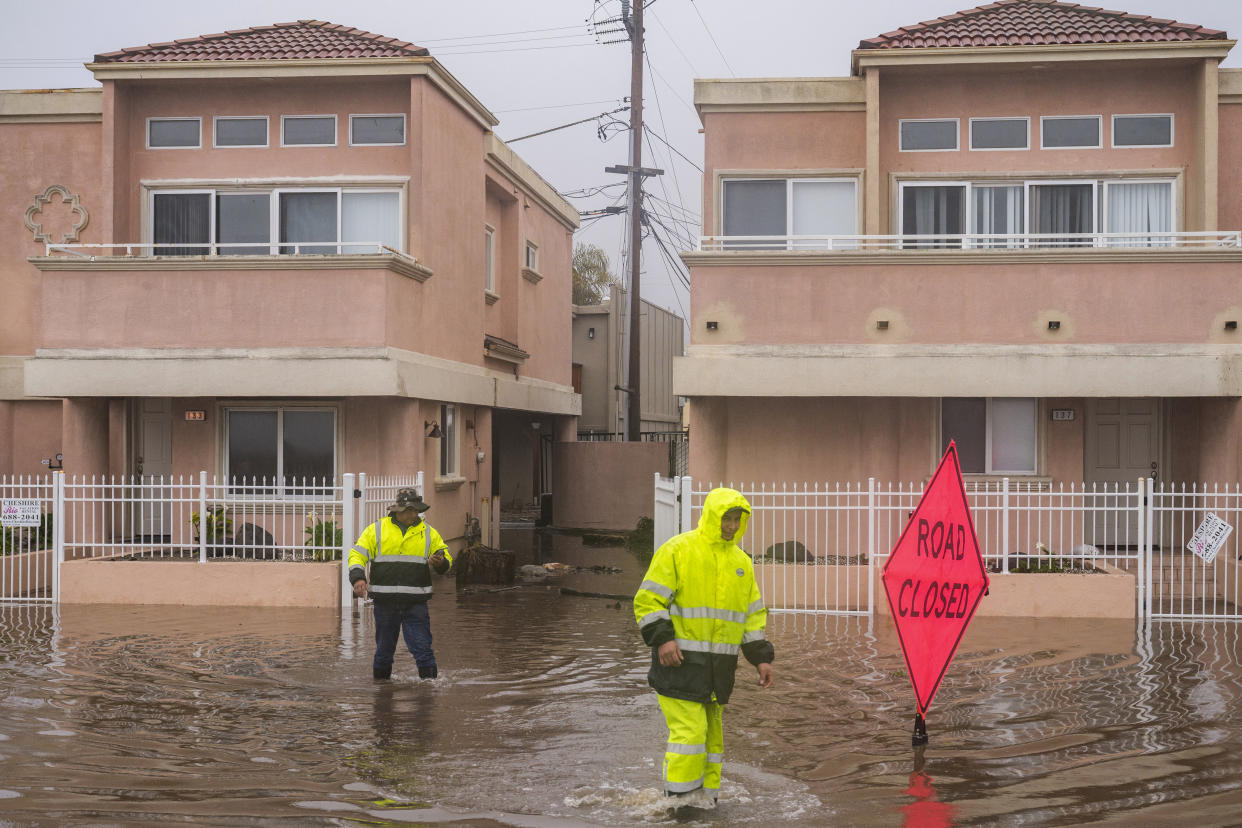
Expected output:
{"points": [[934, 580]]}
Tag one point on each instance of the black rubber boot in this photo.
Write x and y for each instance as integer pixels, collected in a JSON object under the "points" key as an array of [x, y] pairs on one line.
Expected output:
{"points": [[381, 675], [428, 672]]}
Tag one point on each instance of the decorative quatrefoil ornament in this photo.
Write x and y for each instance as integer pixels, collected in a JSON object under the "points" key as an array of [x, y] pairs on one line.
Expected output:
{"points": [[76, 217]]}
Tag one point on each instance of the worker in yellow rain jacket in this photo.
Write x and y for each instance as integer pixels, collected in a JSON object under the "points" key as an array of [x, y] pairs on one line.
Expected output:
{"points": [[402, 549], [698, 604]]}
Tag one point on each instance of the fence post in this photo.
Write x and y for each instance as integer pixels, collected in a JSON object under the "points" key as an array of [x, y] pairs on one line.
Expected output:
{"points": [[683, 500], [870, 546], [348, 494], [1145, 522], [58, 531], [202, 516], [1005, 525]]}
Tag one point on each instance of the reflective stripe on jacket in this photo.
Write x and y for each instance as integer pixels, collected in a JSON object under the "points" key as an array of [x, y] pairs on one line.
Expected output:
{"points": [[399, 562], [700, 590]]}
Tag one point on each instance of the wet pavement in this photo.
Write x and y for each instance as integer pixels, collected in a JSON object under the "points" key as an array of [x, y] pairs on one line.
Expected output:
{"points": [[542, 717]]}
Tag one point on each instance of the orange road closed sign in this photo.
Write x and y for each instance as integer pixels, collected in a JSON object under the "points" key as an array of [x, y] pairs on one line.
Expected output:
{"points": [[935, 578]]}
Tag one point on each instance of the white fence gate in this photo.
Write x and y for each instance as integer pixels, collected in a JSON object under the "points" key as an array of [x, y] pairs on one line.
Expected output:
{"points": [[203, 518], [821, 548]]}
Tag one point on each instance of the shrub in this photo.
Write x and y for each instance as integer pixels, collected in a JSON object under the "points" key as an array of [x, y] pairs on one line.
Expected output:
{"points": [[326, 536], [218, 525]]}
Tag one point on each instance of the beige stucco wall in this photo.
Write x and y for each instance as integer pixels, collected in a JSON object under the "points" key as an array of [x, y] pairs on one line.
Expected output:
{"points": [[847, 439], [218, 583], [605, 485], [980, 299]]}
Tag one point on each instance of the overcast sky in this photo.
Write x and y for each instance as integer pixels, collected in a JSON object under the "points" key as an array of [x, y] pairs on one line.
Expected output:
{"points": [[537, 64]]}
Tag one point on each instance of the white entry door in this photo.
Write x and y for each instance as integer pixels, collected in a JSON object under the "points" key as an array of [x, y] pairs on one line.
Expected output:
{"points": [[154, 463], [1122, 444]]}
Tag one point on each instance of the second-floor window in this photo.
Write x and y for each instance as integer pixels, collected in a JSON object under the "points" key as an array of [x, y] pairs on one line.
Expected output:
{"points": [[174, 133], [1071, 213], [786, 207], [489, 259], [258, 222]]}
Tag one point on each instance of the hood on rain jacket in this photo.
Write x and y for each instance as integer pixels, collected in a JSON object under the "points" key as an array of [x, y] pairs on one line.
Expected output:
{"points": [[399, 562], [701, 591]]}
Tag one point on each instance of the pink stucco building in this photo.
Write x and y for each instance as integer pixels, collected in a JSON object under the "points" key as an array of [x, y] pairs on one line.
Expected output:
{"points": [[1015, 226], [281, 251]]}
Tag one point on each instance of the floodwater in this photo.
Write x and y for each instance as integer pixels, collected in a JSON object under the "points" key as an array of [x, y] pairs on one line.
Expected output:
{"points": [[542, 717]]}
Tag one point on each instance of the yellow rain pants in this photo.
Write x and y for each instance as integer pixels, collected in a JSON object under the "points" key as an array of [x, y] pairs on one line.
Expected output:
{"points": [[695, 750]]}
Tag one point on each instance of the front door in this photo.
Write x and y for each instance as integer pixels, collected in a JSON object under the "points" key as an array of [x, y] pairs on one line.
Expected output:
{"points": [[154, 467], [1122, 445]]}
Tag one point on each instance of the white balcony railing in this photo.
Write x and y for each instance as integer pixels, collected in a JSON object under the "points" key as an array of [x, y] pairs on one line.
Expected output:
{"points": [[976, 241], [224, 249]]}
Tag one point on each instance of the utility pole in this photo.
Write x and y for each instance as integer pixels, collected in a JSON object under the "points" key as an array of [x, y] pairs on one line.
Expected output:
{"points": [[635, 172], [634, 23]]}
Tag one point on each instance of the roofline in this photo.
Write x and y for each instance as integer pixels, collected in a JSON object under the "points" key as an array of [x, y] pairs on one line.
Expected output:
{"points": [[318, 67], [44, 106], [502, 157], [1047, 53], [712, 95]]}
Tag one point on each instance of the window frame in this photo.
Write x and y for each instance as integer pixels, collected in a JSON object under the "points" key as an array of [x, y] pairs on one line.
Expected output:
{"points": [[275, 192], [1099, 140], [971, 137], [448, 464], [196, 118], [336, 129], [489, 259], [224, 408], [1113, 130], [215, 135], [987, 443], [957, 133], [404, 127], [789, 181], [531, 259], [967, 211]]}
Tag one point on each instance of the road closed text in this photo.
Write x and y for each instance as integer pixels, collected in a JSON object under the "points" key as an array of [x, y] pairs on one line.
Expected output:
{"points": [[932, 599]]}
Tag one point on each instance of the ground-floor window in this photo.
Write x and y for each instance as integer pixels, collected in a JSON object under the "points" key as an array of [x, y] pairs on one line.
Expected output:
{"points": [[284, 447], [448, 442], [994, 435]]}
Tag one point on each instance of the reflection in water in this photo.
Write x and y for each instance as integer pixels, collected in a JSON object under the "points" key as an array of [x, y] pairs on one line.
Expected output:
{"points": [[542, 717]]}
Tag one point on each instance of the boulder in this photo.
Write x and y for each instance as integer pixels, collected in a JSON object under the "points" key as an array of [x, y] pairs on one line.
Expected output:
{"points": [[788, 552]]}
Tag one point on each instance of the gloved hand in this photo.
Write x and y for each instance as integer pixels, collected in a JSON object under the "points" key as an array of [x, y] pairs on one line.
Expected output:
{"points": [[439, 563]]}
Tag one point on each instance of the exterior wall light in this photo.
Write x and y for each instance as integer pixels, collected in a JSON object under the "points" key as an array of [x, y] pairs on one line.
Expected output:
{"points": [[881, 325], [711, 326], [1231, 325], [433, 427], [1054, 324]]}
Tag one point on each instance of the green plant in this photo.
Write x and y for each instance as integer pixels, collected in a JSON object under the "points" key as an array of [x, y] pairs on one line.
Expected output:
{"points": [[326, 537], [218, 525]]}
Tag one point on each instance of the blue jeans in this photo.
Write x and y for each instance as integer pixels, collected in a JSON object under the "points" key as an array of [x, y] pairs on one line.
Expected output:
{"points": [[414, 622]]}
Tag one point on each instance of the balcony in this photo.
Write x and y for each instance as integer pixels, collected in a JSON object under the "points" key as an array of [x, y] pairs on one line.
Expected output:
{"points": [[1211, 240]]}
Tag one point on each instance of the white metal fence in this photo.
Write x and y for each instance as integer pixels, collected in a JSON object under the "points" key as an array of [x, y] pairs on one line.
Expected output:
{"points": [[197, 518], [820, 548]]}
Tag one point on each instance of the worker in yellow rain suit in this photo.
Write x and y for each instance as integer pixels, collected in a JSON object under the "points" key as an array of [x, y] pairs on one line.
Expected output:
{"points": [[698, 604]]}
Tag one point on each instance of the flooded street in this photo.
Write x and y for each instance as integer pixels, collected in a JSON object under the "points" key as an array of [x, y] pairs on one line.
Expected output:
{"points": [[542, 717]]}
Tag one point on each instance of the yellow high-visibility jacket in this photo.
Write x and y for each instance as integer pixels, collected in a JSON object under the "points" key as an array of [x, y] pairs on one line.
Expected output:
{"points": [[700, 590], [399, 562]]}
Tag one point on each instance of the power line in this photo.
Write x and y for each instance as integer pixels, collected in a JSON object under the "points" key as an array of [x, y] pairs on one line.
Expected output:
{"points": [[713, 38], [566, 126], [651, 132], [673, 40], [499, 34]]}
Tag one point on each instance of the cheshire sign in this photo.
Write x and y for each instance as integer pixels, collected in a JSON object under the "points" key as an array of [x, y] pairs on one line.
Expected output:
{"points": [[934, 580]]}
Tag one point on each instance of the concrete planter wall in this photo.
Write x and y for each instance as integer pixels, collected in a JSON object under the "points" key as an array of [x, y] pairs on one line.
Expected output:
{"points": [[190, 583]]}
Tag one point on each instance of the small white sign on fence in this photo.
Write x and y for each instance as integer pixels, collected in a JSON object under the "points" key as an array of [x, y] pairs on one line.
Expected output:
{"points": [[1209, 537], [20, 512]]}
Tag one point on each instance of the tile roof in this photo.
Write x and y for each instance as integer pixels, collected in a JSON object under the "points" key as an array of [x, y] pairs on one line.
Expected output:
{"points": [[1038, 23], [299, 40]]}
